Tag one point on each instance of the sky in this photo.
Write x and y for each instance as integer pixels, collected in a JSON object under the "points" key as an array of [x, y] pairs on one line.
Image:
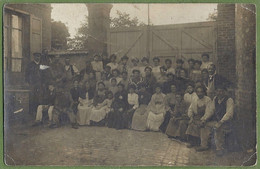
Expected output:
{"points": [[73, 14]]}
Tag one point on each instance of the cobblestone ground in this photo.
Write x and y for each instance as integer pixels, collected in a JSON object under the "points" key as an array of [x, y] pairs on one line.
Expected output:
{"points": [[104, 146]]}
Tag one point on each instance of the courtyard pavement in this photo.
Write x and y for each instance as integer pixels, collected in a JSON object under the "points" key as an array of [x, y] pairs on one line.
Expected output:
{"points": [[26, 145]]}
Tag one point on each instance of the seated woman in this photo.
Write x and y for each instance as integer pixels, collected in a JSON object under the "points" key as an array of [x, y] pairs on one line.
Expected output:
{"points": [[179, 119], [116, 117], [196, 112], [98, 100], [156, 110], [170, 101], [140, 115], [133, 104], [85, 105], [100, 111]]}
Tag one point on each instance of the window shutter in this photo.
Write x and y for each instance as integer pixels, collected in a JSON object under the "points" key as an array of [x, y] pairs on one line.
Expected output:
{"points": [[35, 35]]}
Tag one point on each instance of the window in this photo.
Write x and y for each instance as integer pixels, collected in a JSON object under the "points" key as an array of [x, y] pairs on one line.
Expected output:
{"points": [[13, 41]]}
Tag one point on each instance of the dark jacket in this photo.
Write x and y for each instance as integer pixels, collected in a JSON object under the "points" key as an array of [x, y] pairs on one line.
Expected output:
{"points": [[32, 73]]}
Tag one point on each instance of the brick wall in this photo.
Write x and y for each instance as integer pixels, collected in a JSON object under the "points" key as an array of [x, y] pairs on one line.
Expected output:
{"points": [[226, 41], [245, 72], [42, 11]]}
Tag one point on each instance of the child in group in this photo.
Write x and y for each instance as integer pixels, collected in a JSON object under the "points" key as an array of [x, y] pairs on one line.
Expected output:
{"points": [[46, 103], [100, 111], [196, 72], [156, 110], [113, 64], [191, 66], [85, 105], [190, 95], [113, 86], [97, 66], [132, 99]]}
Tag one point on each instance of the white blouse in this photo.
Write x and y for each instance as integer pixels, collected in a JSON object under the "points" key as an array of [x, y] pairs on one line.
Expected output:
{"points": [[133, 100]]}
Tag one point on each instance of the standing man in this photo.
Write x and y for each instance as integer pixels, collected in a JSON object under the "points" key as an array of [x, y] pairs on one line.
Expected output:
{"points": [[33, 78], [71, 71]]}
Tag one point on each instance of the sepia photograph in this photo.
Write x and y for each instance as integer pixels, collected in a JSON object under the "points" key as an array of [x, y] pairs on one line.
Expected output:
{"points": [[129, 84]]}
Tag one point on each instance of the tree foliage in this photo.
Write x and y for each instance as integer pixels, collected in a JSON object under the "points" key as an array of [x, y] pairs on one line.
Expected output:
{"points": [[213, 16], [59, 35], [122, 20]]}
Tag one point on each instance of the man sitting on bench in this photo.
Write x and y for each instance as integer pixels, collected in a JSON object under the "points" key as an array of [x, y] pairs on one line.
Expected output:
{"points": [[217, 119]]}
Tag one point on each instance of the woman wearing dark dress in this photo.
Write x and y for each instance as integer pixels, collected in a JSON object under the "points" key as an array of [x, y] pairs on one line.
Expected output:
{"points": [[179, 119], [140, 115], [117, 116], [170, 101]]}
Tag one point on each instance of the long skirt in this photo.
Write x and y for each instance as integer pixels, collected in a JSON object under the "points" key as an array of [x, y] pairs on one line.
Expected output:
{"points": [[177, 128], [194, 128], [84, 113], [99, 114], [117, 120], [166, 120], [154, 121], [140, 118]]}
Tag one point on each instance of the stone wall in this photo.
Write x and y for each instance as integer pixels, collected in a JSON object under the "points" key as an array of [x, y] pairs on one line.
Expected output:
{"points": [[245, 72]]}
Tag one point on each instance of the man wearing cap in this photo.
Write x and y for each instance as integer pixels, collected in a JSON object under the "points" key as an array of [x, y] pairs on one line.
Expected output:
{"points": [[217, 119], [122, 67], [156, 67], [33, 78]]}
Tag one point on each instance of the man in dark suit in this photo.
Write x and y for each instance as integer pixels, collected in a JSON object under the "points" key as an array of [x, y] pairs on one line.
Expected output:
{"points": [[33, 78], [215, 80]]}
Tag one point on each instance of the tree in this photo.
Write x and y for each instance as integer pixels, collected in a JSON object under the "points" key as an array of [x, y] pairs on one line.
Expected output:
{"points": [[122, 20], [213, 16], [59, 35]]}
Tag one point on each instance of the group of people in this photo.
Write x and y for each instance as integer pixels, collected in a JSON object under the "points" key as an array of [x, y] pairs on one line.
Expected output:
{"points": [[190, 104]]}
